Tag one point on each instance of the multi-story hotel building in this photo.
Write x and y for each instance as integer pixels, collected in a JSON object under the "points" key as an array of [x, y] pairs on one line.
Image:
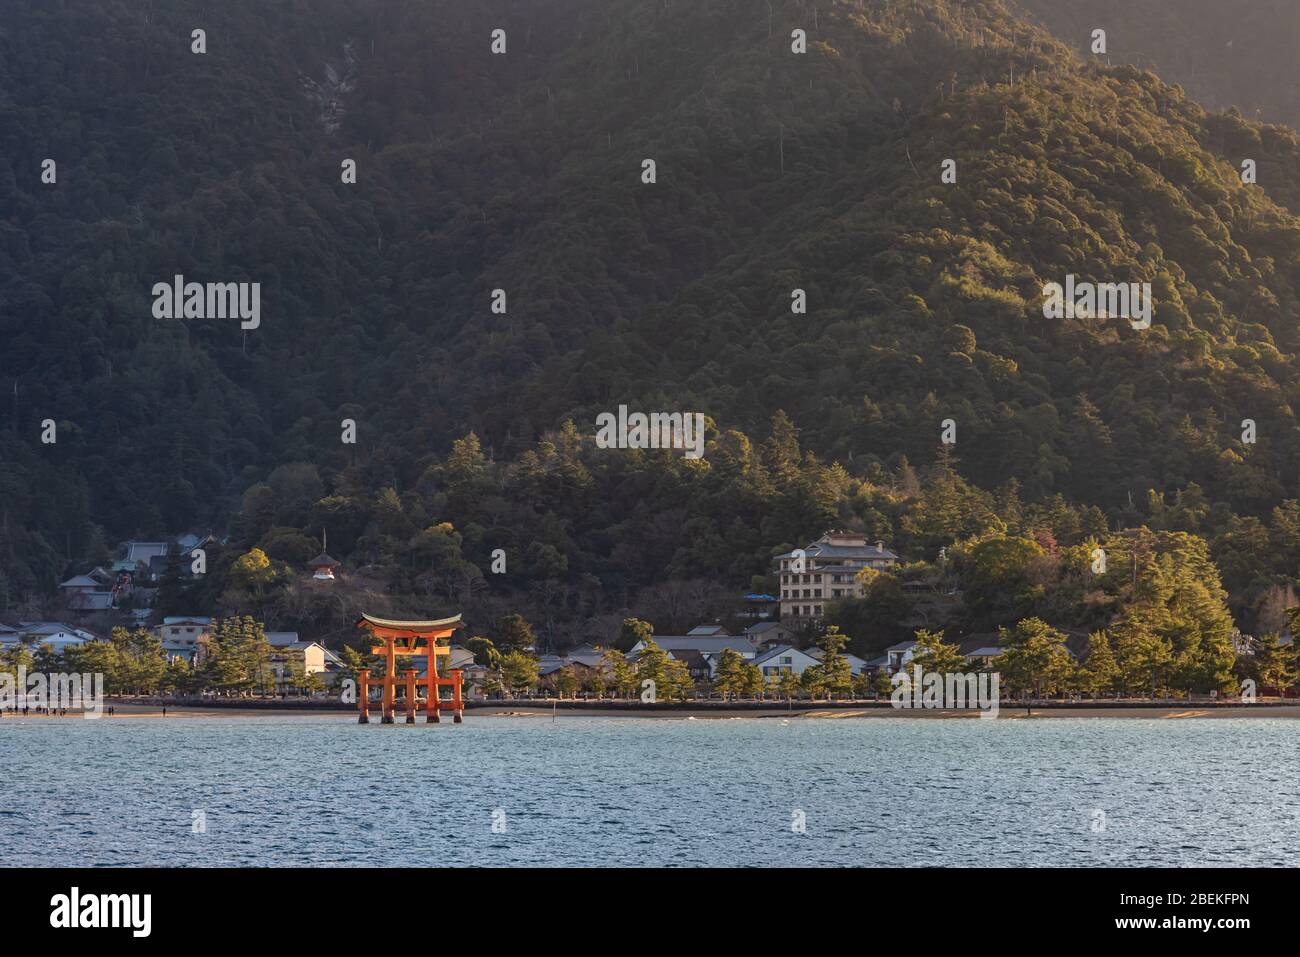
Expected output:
{"points": [[825, 571]]}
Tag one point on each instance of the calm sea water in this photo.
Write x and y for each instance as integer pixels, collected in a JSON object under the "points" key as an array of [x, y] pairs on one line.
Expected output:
{"points": [[630, 791]]}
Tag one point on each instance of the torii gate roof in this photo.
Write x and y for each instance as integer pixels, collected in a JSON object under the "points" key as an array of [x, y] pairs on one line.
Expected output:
{"points": [[416, 627]]}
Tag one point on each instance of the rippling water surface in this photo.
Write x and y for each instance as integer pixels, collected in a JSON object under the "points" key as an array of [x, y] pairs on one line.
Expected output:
{"points": [[632, 791]]}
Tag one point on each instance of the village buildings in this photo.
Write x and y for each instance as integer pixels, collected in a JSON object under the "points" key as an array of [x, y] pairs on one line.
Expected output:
{"points": [[700, 649], [825, 571], [185, 638], [295, 662]]}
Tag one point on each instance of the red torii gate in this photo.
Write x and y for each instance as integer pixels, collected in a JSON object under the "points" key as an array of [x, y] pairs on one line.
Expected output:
{"points": [[402, 638]]}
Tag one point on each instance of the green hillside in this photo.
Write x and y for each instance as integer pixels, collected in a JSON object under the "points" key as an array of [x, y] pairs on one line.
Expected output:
{"points": [[522, 172]]}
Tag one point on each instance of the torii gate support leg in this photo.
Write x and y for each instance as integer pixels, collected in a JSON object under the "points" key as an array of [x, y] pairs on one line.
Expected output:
{"points": [[390, 684], [432, 708]]}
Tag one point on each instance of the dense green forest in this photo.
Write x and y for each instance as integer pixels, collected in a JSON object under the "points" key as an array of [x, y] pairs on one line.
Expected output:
{"points": [[522, 172]]}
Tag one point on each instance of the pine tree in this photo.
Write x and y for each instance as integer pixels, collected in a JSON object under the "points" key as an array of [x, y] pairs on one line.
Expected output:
{"points": [[515, 634], [781, 455], [1102, 674], [728, 678], [680, 683], [1142, 655], [933, 654], [634, 630], [1034, 658], [622, 675], [518, 671], [148, 663], [837, 673], [652, 665], [566, 682], [1276, 663], [813, 681]]}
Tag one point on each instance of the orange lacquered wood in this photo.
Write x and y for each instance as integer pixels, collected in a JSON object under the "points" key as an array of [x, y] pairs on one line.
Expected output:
{"points": [[398, 641]]}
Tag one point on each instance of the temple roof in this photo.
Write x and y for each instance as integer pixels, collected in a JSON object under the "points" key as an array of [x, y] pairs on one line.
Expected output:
{"points": [[322, 561]]}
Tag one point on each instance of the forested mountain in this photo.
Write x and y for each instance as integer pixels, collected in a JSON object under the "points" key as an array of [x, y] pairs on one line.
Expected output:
{"points": [[523, 172], [1226, 53]]}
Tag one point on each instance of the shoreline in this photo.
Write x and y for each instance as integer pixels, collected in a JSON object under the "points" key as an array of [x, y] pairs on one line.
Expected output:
{"points": [[701, 711]]}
